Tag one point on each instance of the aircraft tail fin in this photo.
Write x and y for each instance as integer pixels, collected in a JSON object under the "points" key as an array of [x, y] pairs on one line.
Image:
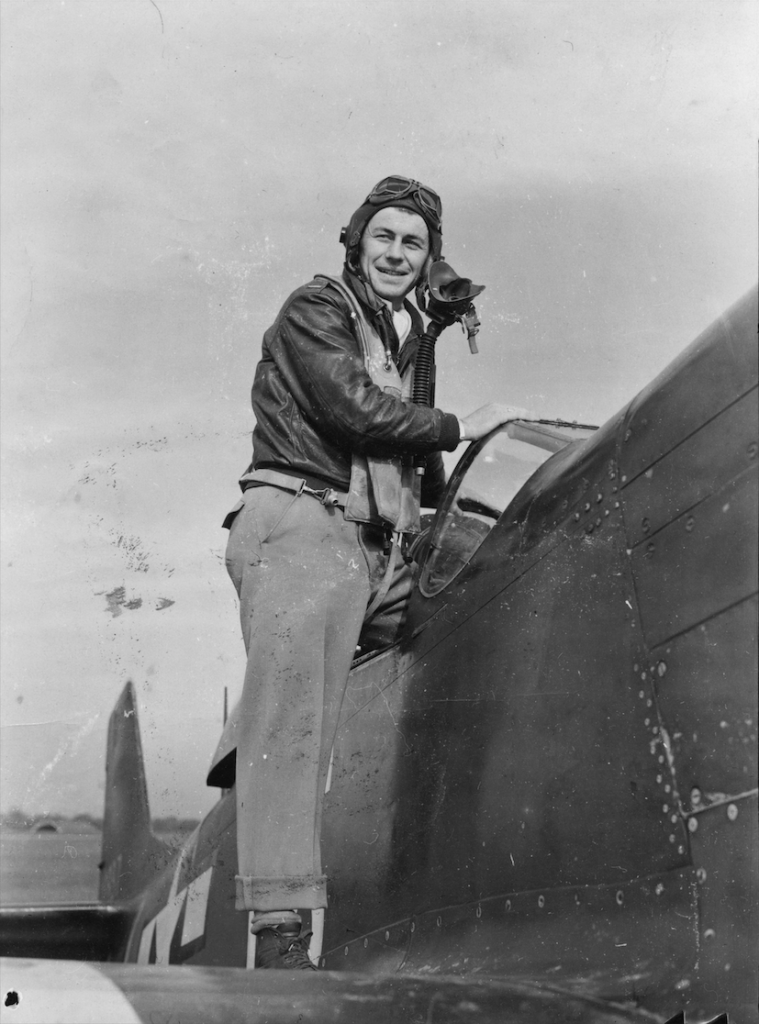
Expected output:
{"points": [[131, 854]]}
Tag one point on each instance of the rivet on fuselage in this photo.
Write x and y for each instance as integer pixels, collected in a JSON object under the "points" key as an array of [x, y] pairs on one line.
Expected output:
{"points": [[345, 951], [576, 516], [659, 888], [387, 936], [586, 506], [439, 922], [541, 901], [692, 824], [695, 794], [732, 812], [658, 780], [709, 933], [645, 525], [665, 808], [606, 512], [599, 521], [673, 819], [479, 912], [673, 838], [413, 926], [701, 875], [508, 906], [366, 943], [690, 522], [661, 668], [599, 498], [620, 897]]}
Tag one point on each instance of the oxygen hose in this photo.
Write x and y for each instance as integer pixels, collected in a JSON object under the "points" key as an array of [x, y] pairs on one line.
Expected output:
{"points": [[424, 367]]}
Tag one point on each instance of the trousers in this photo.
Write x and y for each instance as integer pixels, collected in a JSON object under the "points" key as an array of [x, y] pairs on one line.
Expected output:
{"points": [[305, 577]]}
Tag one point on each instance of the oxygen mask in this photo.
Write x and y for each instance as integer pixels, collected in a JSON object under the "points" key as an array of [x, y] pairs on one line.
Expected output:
{"points": [[447, 298]]}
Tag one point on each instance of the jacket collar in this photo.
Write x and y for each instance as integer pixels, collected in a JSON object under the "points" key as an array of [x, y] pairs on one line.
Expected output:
{"points": [[376, 307], [363, 292]]}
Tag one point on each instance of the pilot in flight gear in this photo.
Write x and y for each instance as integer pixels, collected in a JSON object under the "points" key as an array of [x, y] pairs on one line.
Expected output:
{"points": [[311, 549]]}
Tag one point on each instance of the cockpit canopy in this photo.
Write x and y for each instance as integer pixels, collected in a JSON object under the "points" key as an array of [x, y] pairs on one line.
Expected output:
{"points": [[483, 485]]}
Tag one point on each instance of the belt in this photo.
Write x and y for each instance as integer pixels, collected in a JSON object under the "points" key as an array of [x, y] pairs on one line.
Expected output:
{"points": [[328, 497]]}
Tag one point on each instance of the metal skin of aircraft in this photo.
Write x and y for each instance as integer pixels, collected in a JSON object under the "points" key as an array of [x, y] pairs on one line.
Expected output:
{"points": [[542, 802]]}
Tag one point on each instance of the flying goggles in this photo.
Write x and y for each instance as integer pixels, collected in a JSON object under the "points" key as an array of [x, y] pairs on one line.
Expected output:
{"points": [[398, 187]]}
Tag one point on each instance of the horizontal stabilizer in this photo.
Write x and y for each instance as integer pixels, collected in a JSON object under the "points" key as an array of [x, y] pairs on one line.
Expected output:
{"points": [[79, 931]]}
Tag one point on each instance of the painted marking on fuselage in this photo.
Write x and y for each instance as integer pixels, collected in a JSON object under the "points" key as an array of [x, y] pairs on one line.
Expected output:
{"points": [[197, 903], [159, 931], [195, 898], [317, 934]]}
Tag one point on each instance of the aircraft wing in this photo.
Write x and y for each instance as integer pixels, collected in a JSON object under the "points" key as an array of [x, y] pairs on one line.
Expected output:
{"points": [[71, 992]]}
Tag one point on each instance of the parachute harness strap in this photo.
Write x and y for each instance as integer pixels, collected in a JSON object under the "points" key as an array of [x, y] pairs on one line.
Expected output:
{"points": [[387, 579]]}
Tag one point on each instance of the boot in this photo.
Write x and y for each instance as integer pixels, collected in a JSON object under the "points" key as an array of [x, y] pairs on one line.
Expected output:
{"points": [[283, 948]]}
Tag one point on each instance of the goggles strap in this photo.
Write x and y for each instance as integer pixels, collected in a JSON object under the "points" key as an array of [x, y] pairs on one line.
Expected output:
{"points": [[426, 197]]}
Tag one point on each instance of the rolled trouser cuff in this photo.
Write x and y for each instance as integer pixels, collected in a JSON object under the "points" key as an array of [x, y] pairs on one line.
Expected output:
{"points": [[300, 892]]}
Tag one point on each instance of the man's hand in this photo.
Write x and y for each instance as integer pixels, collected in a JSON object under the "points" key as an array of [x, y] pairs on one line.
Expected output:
{"points": [[490, 416]]}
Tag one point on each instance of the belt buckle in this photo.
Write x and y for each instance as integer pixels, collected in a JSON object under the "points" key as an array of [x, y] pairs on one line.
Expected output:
{"points": [[328, 497]]}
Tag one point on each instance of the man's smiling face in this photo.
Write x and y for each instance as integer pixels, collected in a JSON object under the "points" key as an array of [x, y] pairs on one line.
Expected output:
{"points": [[394, 249]]}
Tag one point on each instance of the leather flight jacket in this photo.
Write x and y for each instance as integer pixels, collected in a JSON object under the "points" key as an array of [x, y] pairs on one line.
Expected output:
{"points": [[316, 405], [383, 491]]}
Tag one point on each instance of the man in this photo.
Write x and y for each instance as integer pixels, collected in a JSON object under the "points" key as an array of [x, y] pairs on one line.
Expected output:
{"points": [[310, 548]]}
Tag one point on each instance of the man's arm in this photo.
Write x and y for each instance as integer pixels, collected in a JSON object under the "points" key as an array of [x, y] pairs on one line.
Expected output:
{"points": [[317, 356], [488, 417]]}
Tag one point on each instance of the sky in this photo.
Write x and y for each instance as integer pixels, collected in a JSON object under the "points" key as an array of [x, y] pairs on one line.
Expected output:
{"points": [[172, 170]]}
